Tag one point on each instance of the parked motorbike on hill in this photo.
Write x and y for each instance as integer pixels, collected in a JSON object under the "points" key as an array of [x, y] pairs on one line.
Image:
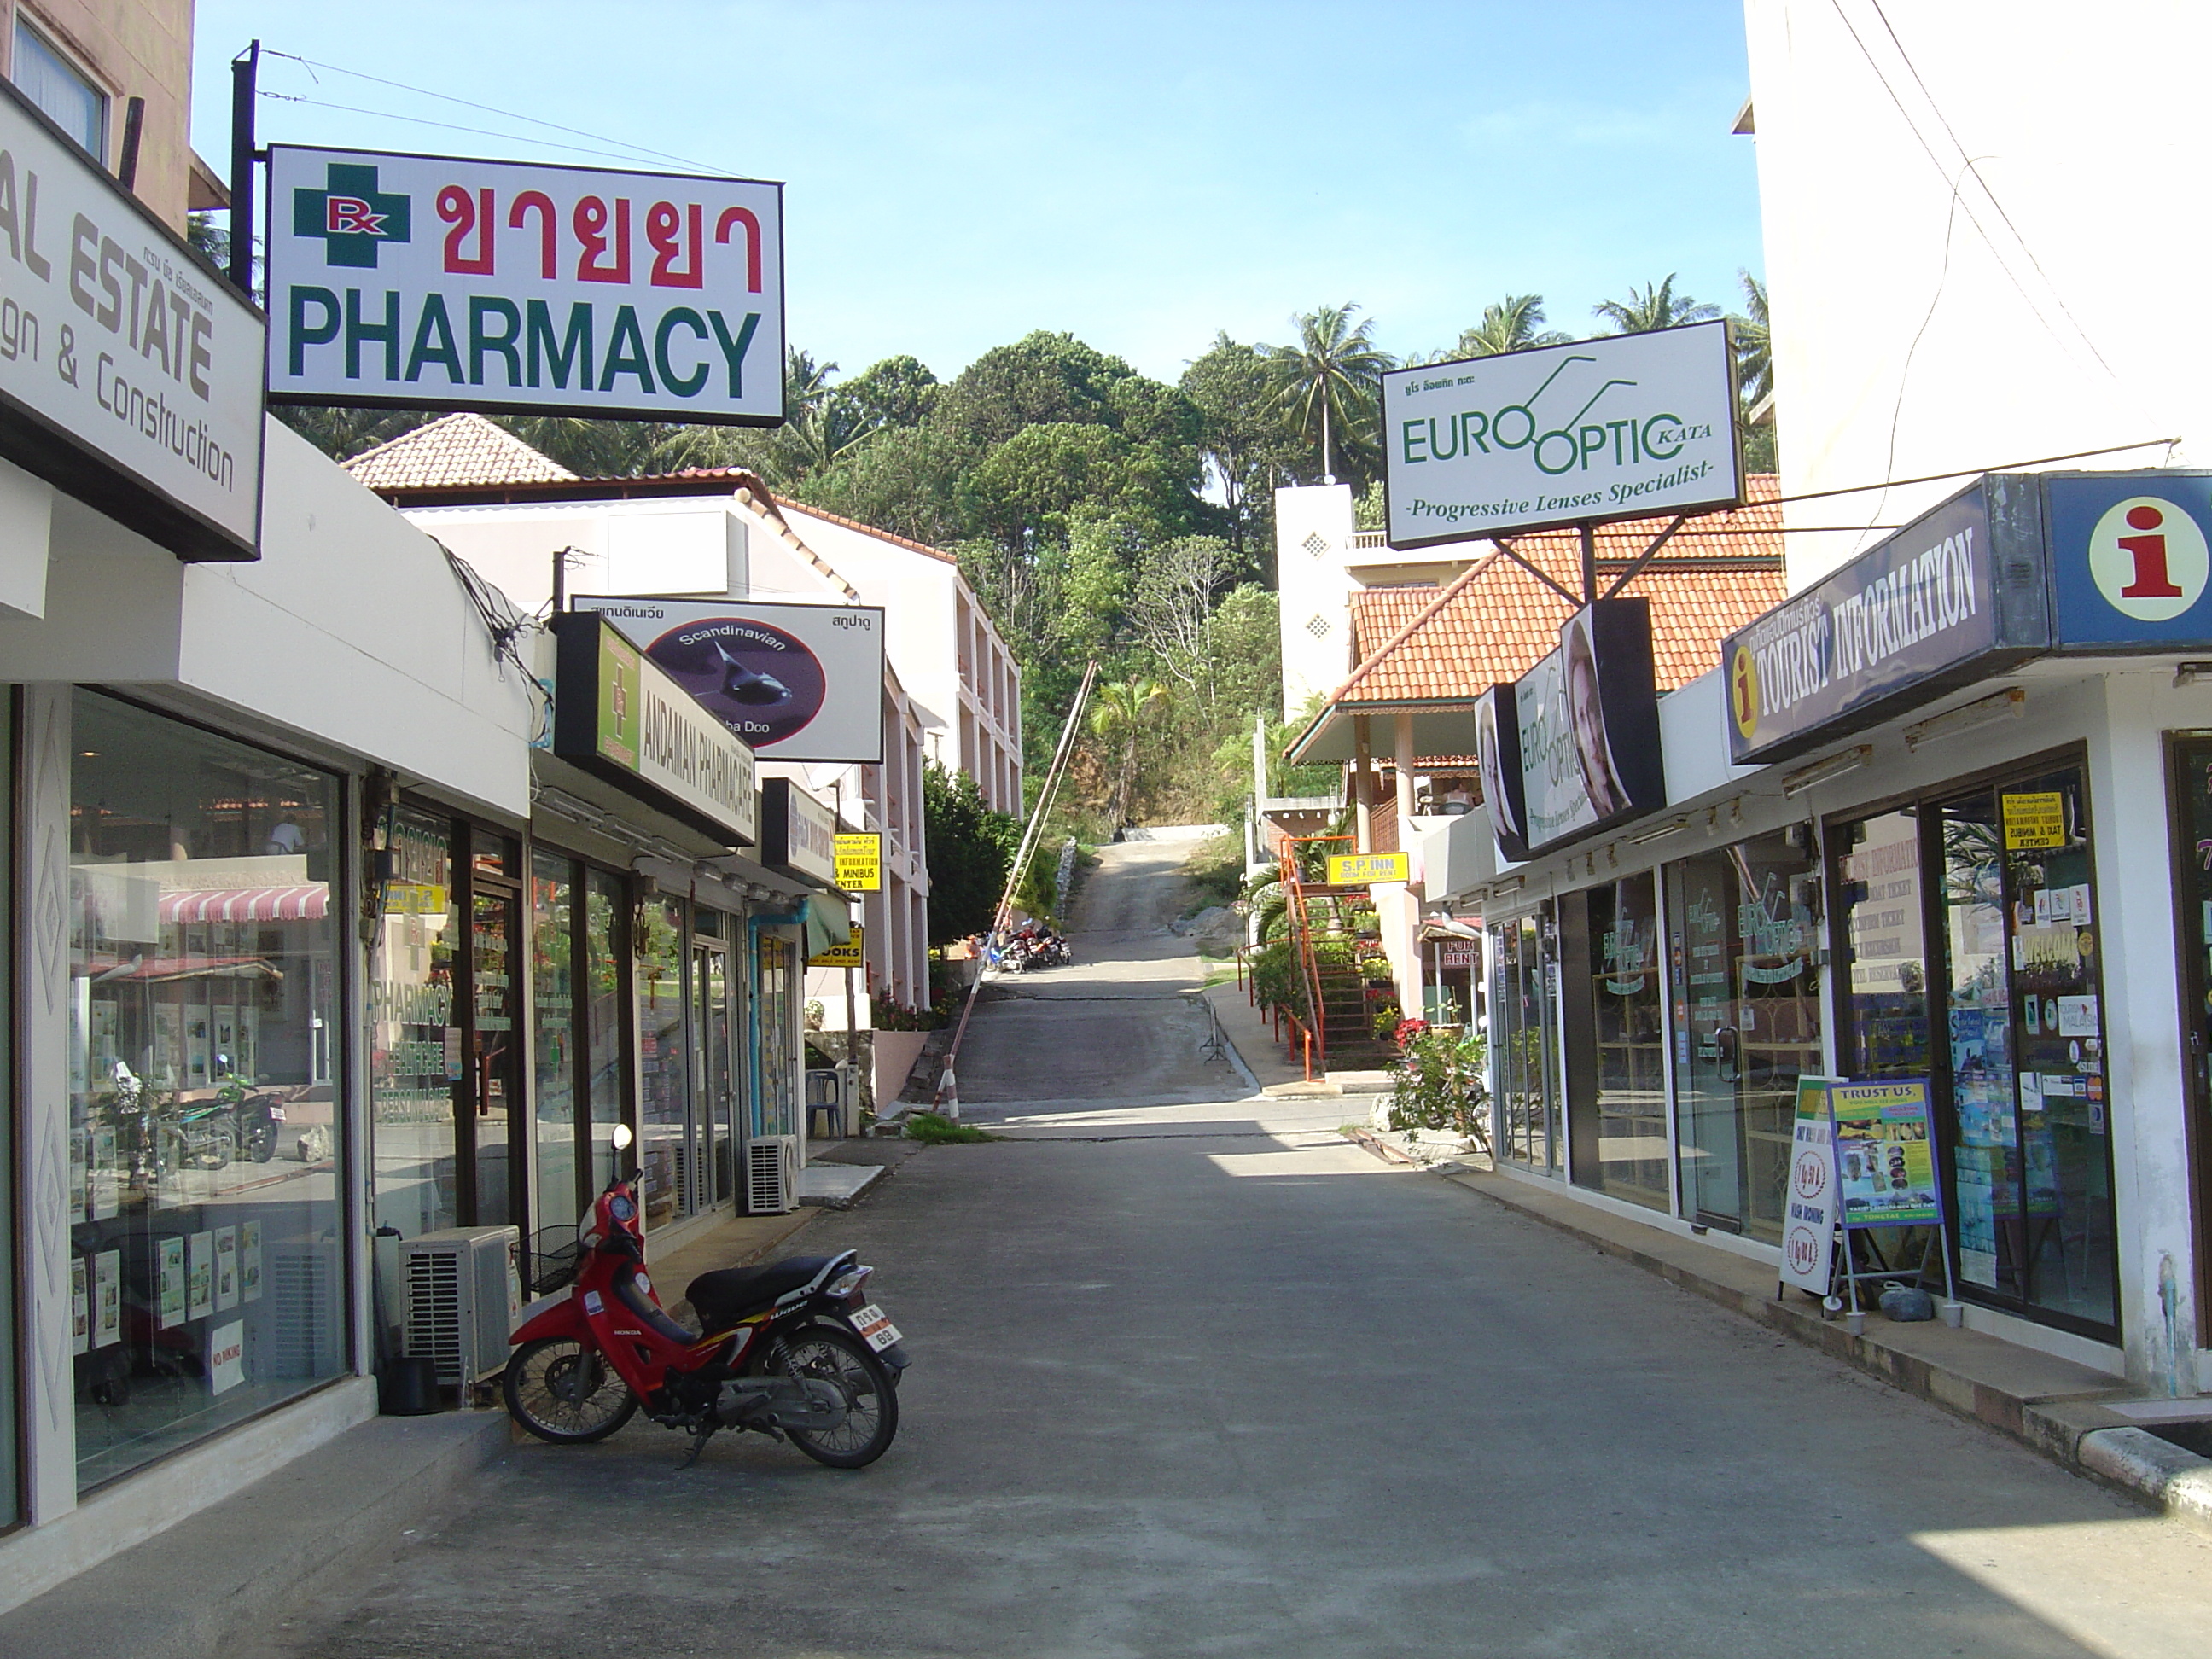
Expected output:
{"points": [[793, 1350]]}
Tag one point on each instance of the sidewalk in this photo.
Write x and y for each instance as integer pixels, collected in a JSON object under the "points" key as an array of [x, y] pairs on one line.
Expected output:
{"points": [[2086, 1420], [1279, 1070]]}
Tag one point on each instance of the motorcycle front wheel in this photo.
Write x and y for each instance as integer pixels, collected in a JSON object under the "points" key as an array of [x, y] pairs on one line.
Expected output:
{"points": [[841, 1358], [563, 1392]]}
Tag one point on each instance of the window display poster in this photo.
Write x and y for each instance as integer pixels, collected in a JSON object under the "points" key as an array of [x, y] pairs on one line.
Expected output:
{"points": [[249, 1260], [76, 1198], [2033, 819], [1974, 1181], [226, 1357], [1809, 1228], [226, 1268], [107, 1298], [1885, 1159], [200, 1276], [171, 1254], [80, 1306], [105, 1180]]}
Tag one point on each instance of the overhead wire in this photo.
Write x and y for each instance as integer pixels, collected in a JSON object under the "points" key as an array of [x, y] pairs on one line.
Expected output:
{"points": [[446, 126]]}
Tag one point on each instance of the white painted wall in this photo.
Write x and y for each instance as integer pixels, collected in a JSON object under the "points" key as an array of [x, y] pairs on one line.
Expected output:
{"points": [[1981, 240]]}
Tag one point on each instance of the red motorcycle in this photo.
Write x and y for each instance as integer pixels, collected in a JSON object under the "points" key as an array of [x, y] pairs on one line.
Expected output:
{"points": [[793, 1350]]}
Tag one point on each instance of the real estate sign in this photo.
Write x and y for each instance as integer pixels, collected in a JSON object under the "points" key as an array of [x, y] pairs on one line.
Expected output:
{"points": [[441, 282], [129, 372], [1620, 427]]}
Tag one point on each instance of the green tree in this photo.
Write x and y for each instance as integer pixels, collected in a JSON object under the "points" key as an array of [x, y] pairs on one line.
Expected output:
{"points": [[1120, 714], [1328, 384], [898, 391], [1654, 306], [970, 849], [1754, 370], [1246, 445], [1514, 324]]}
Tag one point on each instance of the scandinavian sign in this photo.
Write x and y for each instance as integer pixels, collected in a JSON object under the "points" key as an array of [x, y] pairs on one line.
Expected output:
{"points": [[860, 862], [1909, 617], [616, 712], [796, 682], [437, 281], [798, 832], [1810, 1205], [1365, 869], [1587, 727], [130, 373], [2128, 559], [1620, 427]]}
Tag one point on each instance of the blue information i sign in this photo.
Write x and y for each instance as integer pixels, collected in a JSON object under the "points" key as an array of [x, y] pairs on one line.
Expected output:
{"points": [[2128, 559]]}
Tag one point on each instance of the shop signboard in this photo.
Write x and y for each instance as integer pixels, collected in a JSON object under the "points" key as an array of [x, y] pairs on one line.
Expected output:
{"points": [[861, 861], [617, 714], [852, 953], [795, 682], [1625, 427], [1953, 597], [1587, 719], [2129, 559], [1808, 1226], [130, 371], [1498, 755], [1885, 1157], [444, 282], [798, 832], [1366, 869]]}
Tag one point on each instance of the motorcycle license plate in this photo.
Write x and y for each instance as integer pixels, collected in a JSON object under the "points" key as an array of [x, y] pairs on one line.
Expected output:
{"points": [[875, 1327]]}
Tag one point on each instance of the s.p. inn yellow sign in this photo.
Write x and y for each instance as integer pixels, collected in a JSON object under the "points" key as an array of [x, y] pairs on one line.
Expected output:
{"points": [[1363, 869]]}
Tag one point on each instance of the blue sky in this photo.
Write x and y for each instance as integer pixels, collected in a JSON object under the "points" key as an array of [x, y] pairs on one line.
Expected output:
{"points": [[1138, 174]]}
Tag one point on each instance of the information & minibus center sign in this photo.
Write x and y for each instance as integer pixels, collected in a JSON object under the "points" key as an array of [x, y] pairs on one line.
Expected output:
{"points": [[429, 281]]}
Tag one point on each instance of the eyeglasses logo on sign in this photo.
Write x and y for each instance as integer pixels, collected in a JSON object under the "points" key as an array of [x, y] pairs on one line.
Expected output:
{"points": [[351, 216], [2149, 558]]}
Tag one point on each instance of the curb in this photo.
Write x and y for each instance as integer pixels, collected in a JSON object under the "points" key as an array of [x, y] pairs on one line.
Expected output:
{"points": [[2075, 1430]]}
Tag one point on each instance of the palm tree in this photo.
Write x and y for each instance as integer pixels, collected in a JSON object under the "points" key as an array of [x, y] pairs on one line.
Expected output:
{"points": [[1755, 361], [1327, 382], [1656, 306], [1119, 713], [1514, 324]]}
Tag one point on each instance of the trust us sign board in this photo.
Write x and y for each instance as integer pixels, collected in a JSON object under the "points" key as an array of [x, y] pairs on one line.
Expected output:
{"points": [[1621, 427], [431, 282]]}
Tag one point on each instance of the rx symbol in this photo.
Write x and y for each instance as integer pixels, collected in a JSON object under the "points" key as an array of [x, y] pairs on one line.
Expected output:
{"points": [[349, 215]]}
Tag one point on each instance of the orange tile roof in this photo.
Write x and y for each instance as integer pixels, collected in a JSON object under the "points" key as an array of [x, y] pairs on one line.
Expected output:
{"points": [[805, 511], [461, 449], [1494, 622], [1379, 615]]}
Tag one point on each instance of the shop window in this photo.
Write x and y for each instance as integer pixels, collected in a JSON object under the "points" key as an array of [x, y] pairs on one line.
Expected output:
{"points": [[2192, 916], [776, 1111], [9, 1309], [606, 935], [555, 1053], [1617, 1093], [1743, 934], [2031, 1146], [207, 1273], [1882, 964], [59, 87], [664, 1098], [415, 1027], [1524, 1043]]}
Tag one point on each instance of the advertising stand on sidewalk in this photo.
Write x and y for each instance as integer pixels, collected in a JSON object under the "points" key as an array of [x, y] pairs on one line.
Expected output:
{"points": [[1863, 1158]]}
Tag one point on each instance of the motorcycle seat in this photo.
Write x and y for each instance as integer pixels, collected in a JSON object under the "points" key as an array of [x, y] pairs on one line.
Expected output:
{"points": [[724, 1296]]}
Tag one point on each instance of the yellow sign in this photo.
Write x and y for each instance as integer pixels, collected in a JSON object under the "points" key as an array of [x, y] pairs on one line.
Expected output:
{"points": [[860, 863], [2034, 820], [847, 955], [1362, 869]]}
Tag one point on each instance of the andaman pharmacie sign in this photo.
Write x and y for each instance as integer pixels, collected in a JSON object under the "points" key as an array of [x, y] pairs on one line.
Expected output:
{"points": [[618, 716], [444, 282], [130, 373], [1620, 427]]}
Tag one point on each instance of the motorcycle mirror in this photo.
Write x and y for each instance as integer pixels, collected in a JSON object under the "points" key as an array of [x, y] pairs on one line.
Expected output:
{"points": [[623, 1137]]}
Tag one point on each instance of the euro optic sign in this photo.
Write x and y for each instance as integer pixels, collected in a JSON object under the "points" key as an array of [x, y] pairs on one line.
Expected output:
{"points": [[444, 282], [1622, 426]]}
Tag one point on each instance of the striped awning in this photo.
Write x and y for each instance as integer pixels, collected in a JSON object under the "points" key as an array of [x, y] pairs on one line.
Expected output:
{"points": [[309, 903]]}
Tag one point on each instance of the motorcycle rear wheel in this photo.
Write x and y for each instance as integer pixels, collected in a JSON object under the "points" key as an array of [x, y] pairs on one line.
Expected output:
{"points": [[841, 1358], [563, 1392]]}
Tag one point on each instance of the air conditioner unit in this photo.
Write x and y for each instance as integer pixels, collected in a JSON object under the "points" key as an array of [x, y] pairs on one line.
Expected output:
{"points": [[462, 1293], [771, 1175]]}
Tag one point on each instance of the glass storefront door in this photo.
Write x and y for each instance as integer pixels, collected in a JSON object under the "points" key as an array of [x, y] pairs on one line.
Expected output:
{"points": [[2193, 832], [2030, 1142], [776, 1110], [415, 1027], [495, 1139], [1524, 1039], [1620, 1109], [664, 1144], [555, 1053], [12, 1311], [716, 1089]]}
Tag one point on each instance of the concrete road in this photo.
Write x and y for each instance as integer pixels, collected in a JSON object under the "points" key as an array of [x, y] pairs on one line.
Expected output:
{"points": [[1121, 1024], [1202, 1379]]}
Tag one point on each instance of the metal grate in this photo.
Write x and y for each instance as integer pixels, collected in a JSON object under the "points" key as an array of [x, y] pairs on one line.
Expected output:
{"points": [[1315, 544], [1318, 626], [434, 1310], [304, 1327], [767, 1192]]}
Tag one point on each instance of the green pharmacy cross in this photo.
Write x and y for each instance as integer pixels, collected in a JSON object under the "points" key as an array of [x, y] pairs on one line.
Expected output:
{"points": [[351, 216]]}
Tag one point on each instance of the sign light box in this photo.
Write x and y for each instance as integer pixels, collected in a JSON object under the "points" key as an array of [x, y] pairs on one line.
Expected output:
{"points": [[1586, 724], [1624, 427], [439, 281], [129, 372]]}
